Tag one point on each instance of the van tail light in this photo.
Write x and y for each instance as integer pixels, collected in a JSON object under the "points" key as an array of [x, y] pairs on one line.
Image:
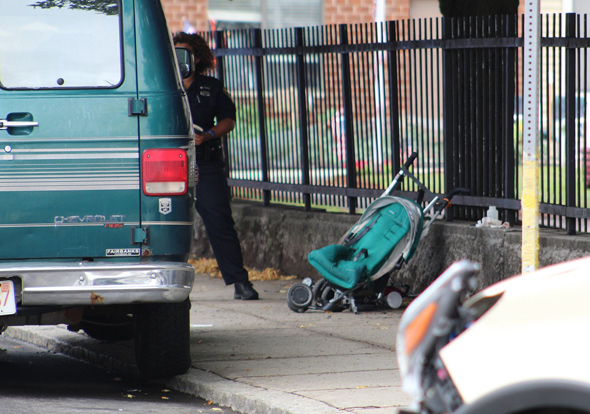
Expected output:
{"points": [[164, 171]]}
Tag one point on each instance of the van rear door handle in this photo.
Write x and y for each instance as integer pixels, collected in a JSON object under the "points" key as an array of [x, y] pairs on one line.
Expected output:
{"points": [[4, 124]]}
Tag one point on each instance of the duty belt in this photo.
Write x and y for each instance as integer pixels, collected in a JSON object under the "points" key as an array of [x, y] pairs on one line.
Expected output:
{"points": [[210, 151]]}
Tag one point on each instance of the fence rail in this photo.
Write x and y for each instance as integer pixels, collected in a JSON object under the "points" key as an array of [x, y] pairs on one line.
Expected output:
{"points": [[327, 114]]}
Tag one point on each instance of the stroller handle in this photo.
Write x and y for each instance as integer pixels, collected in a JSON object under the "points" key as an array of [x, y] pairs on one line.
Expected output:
{"points": [[401, 173], [448, 197], [411, 160], [453, 193]]}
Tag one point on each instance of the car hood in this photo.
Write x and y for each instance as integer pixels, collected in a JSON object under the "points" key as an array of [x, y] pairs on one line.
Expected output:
{"points": [[536, 329]]}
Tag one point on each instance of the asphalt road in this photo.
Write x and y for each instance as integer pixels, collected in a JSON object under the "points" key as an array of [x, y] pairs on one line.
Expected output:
{"points": [[34, 380]]}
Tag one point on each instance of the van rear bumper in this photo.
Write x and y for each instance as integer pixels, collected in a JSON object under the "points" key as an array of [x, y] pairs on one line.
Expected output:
{"points": [[93, 283]]}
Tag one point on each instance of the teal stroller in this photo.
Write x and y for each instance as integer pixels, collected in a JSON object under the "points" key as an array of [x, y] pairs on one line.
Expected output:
{"points": [[357, 271]]}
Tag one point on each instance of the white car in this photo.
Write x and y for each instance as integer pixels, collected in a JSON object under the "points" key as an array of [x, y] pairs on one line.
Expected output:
{"points": [[518, 346]]}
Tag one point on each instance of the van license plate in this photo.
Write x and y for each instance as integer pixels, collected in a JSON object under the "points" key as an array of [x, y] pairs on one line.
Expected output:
{"points": [[7, 300]]}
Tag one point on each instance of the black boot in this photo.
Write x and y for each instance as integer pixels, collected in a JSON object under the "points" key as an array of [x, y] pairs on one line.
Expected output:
{"points": [[245, 291]]}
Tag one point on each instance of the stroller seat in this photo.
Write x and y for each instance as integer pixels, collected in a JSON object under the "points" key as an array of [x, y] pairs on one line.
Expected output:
{"points": [[387, 232]]}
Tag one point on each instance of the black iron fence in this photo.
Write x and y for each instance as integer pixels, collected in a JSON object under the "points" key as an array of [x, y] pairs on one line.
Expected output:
{"points": [[326, 115]]}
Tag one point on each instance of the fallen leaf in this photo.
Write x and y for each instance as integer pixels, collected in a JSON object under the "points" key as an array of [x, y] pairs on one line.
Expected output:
{"points": [[209, 267]]}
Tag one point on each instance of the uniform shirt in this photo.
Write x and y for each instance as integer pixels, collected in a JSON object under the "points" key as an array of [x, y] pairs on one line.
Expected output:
{"points": [[209, 101]]}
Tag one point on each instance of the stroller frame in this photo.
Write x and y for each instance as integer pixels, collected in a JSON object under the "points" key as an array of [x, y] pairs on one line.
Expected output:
{"points": [[377, 289]]}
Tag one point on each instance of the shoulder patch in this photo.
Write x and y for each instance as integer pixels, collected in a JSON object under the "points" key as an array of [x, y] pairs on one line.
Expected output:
{"points": [[225, 91]]}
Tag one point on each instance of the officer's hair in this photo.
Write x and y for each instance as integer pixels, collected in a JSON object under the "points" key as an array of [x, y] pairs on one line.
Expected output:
{"points": [[200, 48]]}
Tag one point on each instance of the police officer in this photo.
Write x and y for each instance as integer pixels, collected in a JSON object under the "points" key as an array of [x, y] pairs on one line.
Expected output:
{"points": [[214, 115]]}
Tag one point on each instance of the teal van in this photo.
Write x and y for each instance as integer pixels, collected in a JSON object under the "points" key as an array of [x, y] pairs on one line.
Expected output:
{"points": [[97, 168]]}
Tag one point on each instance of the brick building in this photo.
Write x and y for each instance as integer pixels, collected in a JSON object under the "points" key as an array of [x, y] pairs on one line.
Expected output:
{"points": [[203, 15], [228, 14]]}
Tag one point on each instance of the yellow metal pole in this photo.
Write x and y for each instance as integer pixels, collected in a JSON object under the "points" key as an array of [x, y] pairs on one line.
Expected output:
{"points": [[530, 153]]}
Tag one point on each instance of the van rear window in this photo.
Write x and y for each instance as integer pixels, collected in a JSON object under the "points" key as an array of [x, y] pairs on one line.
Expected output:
{"points": [[60, 44]]}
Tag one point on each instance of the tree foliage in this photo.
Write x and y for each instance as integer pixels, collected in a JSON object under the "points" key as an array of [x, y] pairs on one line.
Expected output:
{"points": [[466, 8], [109, 7]]}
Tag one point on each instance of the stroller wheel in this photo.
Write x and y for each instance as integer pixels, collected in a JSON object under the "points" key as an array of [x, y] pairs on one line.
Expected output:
{"points": [[366, 307], [327, 295], [318, 288], [299, 297], [394, 299]]}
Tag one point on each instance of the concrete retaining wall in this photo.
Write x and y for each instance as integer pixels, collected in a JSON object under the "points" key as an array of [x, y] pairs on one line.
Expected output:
{"points": [[282, 237]]}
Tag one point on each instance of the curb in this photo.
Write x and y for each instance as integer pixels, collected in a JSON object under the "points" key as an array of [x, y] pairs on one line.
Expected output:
{"points": [[245, 398]]}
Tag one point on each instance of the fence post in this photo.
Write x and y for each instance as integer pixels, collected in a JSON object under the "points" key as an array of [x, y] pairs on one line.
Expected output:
{"points": [[449, 135], [393, 96], [348, 114], [257, 36], [220, 72], [570, 125], [219, 59], [508, 127], [303, 125]]}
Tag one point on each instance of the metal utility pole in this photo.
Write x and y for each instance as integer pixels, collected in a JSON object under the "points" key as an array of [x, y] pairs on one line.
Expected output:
{"points": [[530, 153]]}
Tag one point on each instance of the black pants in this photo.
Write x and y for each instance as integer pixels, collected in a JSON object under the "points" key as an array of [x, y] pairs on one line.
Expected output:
{"points": [[213, 205]]}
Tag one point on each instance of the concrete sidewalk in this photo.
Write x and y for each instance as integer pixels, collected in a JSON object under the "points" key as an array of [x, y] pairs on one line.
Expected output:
{"points": [[260, 357]]}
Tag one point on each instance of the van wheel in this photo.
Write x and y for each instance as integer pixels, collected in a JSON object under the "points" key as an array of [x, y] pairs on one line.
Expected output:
{"points": [[162, 339], [108, 328]]}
